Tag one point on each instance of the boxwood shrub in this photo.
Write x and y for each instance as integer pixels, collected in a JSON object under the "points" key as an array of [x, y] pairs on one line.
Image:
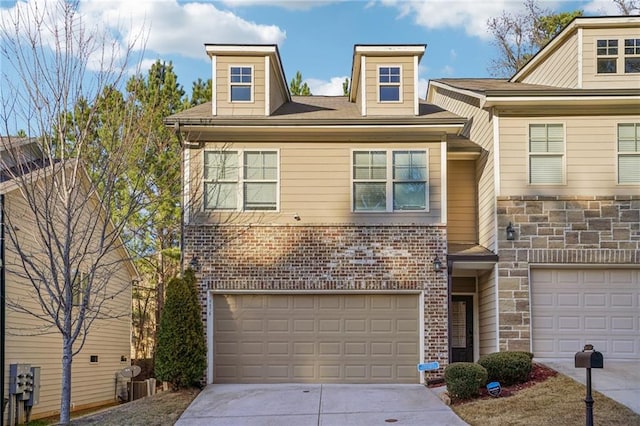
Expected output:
{"points": [[508, 368], [464, 379]]}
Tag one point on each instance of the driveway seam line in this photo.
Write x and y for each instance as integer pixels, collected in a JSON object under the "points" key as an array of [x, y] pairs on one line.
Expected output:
{"points": [[319, 405]]}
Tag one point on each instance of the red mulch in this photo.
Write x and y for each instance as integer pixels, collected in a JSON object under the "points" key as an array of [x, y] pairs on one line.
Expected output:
{"points": [[539, 373]]}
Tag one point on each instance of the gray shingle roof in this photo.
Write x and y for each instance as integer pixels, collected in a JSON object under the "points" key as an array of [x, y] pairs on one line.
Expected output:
{"points": [[310, 109]]}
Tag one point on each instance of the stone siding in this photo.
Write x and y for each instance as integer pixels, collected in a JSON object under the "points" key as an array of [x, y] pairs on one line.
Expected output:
{"points": [[326, 258], [563, 231]]}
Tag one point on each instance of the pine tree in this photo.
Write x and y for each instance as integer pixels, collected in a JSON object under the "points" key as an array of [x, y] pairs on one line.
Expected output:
{"points": [[181, 351]]}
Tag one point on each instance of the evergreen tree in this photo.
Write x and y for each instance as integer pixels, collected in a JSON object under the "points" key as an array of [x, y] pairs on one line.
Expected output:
{"points": [[297, 87], [181, 351]]}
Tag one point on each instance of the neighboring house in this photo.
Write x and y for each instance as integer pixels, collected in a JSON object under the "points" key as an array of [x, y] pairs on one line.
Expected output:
{"points": [[107, 347], [317, 224], [561, 165]]}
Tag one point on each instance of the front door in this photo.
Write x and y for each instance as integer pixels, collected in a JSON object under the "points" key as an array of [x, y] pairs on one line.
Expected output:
{"points": [[462, 329]]}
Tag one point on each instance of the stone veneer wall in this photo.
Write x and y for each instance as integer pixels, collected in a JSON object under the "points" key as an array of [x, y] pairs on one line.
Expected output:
{"points": [[326, 258], [557, 230]]}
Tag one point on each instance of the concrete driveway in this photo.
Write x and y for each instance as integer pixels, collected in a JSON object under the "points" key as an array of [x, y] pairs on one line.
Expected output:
{"points": [[315, 404], [619, 380]]}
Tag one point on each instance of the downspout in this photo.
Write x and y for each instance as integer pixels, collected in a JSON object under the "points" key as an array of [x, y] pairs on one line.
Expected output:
{"points": [[2, 308]]}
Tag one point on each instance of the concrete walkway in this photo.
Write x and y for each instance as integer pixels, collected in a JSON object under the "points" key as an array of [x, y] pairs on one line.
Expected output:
{"points": [[315, 404], [619, 380]]}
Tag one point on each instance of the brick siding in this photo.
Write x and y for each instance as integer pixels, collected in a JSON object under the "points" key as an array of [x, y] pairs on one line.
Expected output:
{"points": [[326, 258], [557, 230]]}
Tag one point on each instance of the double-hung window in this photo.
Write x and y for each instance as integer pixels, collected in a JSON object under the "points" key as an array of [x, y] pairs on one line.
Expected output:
{"points": [[385, 181], [632, 55], [607, 56], [221, 178], [389, 84], [240, 180], [629, 153], [546, 154], [260, 180], [241, 84]]}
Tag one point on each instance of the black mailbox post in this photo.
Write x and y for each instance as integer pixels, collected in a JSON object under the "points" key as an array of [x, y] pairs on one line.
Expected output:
{"points": [[589, 359]]}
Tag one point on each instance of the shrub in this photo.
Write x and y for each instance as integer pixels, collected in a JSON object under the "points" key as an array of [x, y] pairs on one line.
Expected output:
{"points": [[508, 368], [181, 352], [463, 379]]}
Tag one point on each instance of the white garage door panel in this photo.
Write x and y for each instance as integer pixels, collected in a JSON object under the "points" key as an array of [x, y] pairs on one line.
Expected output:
{"points": [[572, 307], [316, 338]]}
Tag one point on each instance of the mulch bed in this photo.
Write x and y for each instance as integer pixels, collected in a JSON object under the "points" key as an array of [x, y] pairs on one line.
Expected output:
{"points": [[539, 373]]}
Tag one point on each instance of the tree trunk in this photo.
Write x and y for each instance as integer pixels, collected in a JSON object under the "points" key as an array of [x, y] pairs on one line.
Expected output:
{"points": [[65, 398]]}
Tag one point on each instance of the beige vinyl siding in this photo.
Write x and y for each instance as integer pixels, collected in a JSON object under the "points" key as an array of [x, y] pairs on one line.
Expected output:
{"points": [[224, 105], [407, 89], [590, 78], [276, 90], [590, 159], [462, 201], [92, 384], [487, 313], [315, 183], [479, 131], [560, 68]]}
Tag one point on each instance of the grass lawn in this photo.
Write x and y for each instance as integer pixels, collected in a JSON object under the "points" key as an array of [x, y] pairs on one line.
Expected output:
{"points": [[556, 401]]}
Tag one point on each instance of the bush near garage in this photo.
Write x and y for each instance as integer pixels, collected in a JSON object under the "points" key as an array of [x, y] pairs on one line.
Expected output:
{"points": [[463, 379], [181, 353], [508, 368]]}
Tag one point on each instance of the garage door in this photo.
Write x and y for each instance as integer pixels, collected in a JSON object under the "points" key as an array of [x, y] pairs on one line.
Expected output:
{"points": [[571, 308], [316, 338]]}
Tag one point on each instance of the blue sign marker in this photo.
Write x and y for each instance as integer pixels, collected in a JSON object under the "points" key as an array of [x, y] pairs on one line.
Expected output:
{"points": [[429, 366], [494, 389]]}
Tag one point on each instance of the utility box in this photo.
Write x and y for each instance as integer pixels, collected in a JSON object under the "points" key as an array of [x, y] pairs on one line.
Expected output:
{"points": [[34, 397], [19, 378], [589, 358]]}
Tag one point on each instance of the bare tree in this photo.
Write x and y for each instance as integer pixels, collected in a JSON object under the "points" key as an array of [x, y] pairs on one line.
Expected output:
{"points": [[60, 78], [628, 7], [519, 36]]}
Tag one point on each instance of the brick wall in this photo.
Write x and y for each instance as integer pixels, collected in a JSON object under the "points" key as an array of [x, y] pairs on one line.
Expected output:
{"points": [[557, 230], [333, 258]]}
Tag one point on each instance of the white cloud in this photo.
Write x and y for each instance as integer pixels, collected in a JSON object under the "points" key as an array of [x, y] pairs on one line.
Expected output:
{"points": [[164, 27], [470, 15], [447, 71], [178, 28], [332, 87], [453, 54], [601, 7], [285, 4], [423, 84]]}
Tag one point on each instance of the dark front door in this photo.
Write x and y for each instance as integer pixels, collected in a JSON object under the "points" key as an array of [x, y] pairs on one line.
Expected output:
{"points": [[462, 329]]}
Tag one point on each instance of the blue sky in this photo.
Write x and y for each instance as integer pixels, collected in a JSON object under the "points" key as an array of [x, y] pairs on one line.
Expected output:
{"points": [[315, 37]]}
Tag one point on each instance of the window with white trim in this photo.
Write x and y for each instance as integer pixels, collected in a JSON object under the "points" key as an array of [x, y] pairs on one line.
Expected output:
{"points": [[390, 180], [389, 79], [632, 55], [546, 154], [241, 180], [240, 84], [629, 153], [607, 56]]}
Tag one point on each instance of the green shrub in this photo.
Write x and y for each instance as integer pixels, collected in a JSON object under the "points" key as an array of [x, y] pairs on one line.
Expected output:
{"points": [[508, 368], [181, 352], [463, 379]]}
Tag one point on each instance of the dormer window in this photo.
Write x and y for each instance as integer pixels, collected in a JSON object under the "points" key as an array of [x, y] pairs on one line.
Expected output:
{"points": [[632, 55], [389, 84], [241, 84], [607, 53]]}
